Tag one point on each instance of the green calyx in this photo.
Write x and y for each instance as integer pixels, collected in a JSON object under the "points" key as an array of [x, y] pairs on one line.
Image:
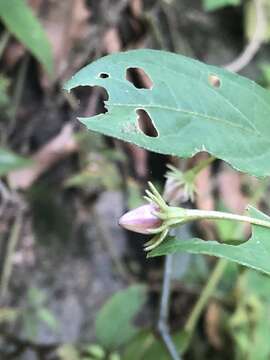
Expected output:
{"points": [[170, 216]]}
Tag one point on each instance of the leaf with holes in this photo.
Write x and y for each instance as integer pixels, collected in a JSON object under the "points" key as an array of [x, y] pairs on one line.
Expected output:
{"points": [[193, 107], [254, 253]]}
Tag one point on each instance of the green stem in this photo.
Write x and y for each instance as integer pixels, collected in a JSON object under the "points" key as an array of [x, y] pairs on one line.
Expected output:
{"points": [[194, 214], [177, 216], [207, 292]]}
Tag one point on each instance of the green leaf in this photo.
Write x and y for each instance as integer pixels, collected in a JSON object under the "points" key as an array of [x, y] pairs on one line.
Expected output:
{"points": [[145, 346], [47, 317], [254, 253], [10, 161], [211, 5], [68, 352], [193, 106], [114, 321], [258, 284], [249, 324], [19, 19], [95, 350]]}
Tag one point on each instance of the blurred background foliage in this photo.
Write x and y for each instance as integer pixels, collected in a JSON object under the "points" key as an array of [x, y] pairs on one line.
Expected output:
{"points": [[73, 285]]}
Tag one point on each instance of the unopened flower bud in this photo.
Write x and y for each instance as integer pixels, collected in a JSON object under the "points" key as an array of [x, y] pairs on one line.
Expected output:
{"points": [[141, 219]]}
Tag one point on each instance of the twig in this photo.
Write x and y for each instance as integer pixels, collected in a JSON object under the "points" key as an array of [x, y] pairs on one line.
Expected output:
{"points": [[3, 42], [151, 19], [11, 245], [18, 92], [163, 327], [257, 39], [59, 147], [5, 197]]}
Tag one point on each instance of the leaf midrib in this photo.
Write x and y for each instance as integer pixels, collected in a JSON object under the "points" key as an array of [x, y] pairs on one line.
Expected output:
{"points": [[163, 107]]}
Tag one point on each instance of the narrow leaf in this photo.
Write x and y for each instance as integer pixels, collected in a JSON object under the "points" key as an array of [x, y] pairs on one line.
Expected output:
{"points": [[211, 5], [254, 253], [193, 107], [10, 161], [19, 19]]}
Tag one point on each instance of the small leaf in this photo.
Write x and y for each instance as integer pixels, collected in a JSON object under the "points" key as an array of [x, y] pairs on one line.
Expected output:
{"points": [[249, 324], [47, 317], [193, 106], [10, 161], [114, 321], [254, 253], [256, 283], [21, 22], [211, 5], [68, 352], [146, 346], [95, 350], [8, 315]]}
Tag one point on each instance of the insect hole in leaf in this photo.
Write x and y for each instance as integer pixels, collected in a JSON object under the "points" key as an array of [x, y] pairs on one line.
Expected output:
{"points": [[146, 124], [139, 78]]}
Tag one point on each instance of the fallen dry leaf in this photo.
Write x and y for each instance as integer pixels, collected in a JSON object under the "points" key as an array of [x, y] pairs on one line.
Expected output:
{"points": [[111, 41], [56, 149], [136, 7], [66, 24]]}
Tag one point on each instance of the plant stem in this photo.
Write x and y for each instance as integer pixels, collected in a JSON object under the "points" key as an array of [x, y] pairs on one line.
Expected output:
{"points": [[3, 42], [11, 245], [194, 214], [19, 86], [178, 216], [205, 295], [163, 327]]}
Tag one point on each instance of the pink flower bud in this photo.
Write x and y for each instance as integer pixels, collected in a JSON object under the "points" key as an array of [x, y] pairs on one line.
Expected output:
{"points": [[141, 219]]}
